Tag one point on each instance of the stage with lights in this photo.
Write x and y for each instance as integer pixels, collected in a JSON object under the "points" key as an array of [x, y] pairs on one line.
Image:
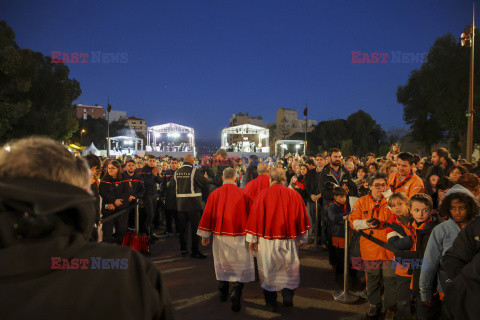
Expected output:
{"points": [[170, 139], [125, 145], [295, 147], [245, 140]]}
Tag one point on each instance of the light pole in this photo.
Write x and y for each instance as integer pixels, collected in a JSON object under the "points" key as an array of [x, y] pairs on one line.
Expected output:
{"points": [[82, 132], [468, 39], [109, 108]]}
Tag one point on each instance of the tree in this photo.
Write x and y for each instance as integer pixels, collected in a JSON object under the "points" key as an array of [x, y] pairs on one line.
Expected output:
{"points": [[435, 97], [36, 95], [283, 128], [358, 134]]}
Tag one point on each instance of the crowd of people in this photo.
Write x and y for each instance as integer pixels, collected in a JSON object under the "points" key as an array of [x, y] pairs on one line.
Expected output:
{"points": [[413, 241]]}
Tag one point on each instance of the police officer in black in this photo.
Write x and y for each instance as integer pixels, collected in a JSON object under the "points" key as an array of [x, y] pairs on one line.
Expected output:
{"points": [[189, 182], [150, 175]]}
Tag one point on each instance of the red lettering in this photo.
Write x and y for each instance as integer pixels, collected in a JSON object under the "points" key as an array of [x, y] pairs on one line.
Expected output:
{"points": [[66, 58], [55, 263], [356, 57], [374, 57], [384, 56], [55, 56], [84, 263], [74, 57], [65, 264], [74, 264], [83, 56], [365, 57]]}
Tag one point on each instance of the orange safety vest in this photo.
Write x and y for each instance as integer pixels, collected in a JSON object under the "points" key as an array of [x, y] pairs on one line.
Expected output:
{"points": [[410, 185], [364, 209]]}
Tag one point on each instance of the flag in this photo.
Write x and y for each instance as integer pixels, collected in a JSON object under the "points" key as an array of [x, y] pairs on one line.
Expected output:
{"points": [[109, 107], [305, 111]]}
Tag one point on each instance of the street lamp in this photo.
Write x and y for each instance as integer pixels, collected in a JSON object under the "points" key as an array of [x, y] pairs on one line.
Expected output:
{"points": [[467, 39], [82, 132]]}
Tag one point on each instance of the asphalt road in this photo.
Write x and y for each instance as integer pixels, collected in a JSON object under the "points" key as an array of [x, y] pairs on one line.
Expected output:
{"points": [[193, 289]]}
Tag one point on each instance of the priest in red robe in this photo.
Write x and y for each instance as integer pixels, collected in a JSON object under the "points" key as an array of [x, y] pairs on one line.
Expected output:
{"points": [[225, 216], [261, 182], [277, 225]]}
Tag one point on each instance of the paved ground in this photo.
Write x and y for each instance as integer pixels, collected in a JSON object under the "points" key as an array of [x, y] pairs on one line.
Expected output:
{"points": [[193, 289]]}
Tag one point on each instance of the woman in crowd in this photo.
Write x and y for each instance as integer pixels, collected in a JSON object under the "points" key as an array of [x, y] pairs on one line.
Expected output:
{"points": [[393, 153], [431, 184], [372, 168], [389, 167], [455, 172], [113, 194], [298, 181], [361, 175]]}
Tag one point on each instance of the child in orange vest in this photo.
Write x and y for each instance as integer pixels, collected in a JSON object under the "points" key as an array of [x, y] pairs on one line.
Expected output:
{"points": [[401, 236]]}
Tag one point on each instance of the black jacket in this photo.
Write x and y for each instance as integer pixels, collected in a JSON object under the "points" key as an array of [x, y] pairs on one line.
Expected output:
{"points": [[462, 297], [134, 185], [109, 192], [311, 183], [465, 247], [58, 227], [251, 173], [422, 240], [335, 216], [438, 170], [150, 181], [218, 169], [327, 181], [96, 194], [170, 197], [187, 199]]}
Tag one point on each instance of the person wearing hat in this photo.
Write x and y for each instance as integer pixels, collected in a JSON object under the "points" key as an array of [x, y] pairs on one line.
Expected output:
{"points": [[222, 162], [460, 206]]}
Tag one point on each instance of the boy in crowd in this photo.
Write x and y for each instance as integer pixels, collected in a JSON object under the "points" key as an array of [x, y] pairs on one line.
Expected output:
{"points": [[337, 212]]}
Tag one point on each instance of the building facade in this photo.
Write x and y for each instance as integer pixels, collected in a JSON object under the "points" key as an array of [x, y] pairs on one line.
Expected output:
{"points": [[115, 115], [288, 123], [241, 118], [83, 111], [138, 125]]}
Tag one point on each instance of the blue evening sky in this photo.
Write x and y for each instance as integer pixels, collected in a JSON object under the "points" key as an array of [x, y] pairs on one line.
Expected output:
{"points": [[197, 62]]}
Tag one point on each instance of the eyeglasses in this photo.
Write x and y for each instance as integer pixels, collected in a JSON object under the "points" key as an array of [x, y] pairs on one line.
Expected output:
{"points": [[379, 185]]}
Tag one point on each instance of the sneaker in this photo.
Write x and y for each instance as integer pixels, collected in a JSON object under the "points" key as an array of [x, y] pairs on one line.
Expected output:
{"points": [[373, 311], [198, 255], [389, 315]]}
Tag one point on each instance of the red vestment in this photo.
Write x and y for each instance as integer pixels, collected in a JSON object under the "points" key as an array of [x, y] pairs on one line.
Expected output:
{"points": [[226, 211], [254, 187], [278, 213]]}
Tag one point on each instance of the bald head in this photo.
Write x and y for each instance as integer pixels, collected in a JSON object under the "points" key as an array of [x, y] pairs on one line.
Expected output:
{"points": [[188, 159], [277, 176], [262, 168]]}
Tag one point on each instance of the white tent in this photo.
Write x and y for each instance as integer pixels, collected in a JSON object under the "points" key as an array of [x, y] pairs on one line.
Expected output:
{"points": [[172, 139], [91, 149], [246, 138], [289, 146]]}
